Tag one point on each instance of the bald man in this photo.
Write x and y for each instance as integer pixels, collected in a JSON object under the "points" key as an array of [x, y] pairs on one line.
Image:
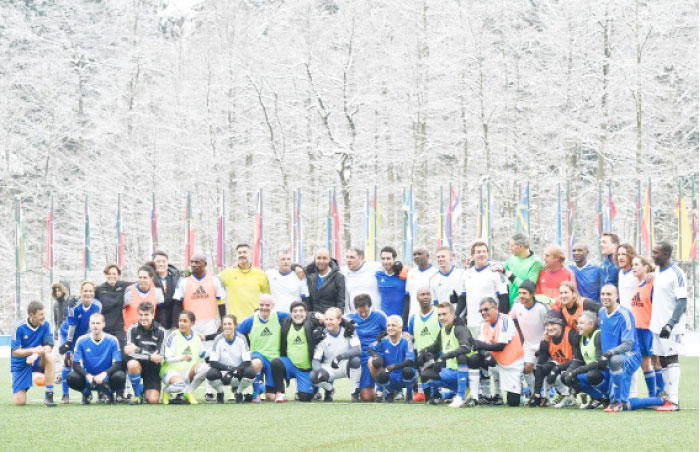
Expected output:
{"points": [[326, 284], [588, 276]]}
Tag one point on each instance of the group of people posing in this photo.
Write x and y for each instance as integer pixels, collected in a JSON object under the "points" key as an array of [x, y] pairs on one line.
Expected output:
{"points": [[530, 331]]}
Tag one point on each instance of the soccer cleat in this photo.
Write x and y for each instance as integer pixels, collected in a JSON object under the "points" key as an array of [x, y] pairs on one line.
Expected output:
{"points": [[497, 400], [48, 400], [418, 397], [328, 396], [389, 397], [166, 398], [281, 398], [434, 400], [191, 399], [220, 398], [613, 407], [101, 397], [86, 399], [557, 399], [668, 406], [483, 401], [663, 395], [65, 399], [379, 397], [534, 402], [238, 397], [355, 396], [593, 404], [398, 395], [568, 402], [120, 398], [136, 400], [109, 399], [179, 400], [470, 403], [255, 398], [457, 402], [209, 398]]}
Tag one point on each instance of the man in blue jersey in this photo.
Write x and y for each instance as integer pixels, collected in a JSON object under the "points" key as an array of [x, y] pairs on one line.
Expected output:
{"points": [[620, 349], [369, 325], [608, 249], [392, 286], [588, 276], [97, 363], [391, 362], [32, 345]]}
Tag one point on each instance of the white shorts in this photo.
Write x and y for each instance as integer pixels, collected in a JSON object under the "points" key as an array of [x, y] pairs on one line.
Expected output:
{"points": [[511, 376], [667, 347], [185, 374], [335, 374], [529, 351]]}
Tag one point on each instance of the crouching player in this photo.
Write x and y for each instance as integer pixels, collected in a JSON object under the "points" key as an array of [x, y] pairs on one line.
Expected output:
{"points": [[337, 356], [296, 350], [183, 351], [97, 363], [229, 362], [455, 347], [500, 337], [32, 345], [391, 361], [144, 349], [555, 356]]}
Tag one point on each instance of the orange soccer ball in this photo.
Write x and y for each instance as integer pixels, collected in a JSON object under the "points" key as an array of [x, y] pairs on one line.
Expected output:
{"points": [[39, 379]]}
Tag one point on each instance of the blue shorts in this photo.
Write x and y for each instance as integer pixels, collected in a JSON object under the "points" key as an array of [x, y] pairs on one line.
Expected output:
{"points": [[266, 369], [645, 338], [448, 379], [22, 379], [366, 380], [303, 376]]}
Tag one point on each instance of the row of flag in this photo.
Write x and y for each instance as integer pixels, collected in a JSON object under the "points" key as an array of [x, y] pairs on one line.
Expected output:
{"points": [[450, 211]]}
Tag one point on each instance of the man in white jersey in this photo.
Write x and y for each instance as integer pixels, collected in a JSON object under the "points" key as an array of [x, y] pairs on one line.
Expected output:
{"points": [[480, 282], [419, 276], [360, 277], [285, 285], [448, 283], [530, 317], [669, 300], [337, 356]]}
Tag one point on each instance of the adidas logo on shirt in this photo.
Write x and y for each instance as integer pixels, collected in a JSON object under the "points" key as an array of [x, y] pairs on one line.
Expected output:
{"points": [[298, 341], [425, 331], [187, 351], [199, 293], [26, 337], [88, 349], [265, 332]]}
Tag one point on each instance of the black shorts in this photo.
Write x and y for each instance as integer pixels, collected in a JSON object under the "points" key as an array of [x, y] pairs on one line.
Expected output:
{"points": [[150, 374]]}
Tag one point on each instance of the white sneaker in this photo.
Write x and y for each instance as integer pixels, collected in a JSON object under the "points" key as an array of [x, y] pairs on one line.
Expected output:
{"points": [[457, 402], [281, 398], [568, 402]]}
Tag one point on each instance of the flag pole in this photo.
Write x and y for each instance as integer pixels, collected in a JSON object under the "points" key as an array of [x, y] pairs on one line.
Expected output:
{"points": [[51, 245], [610, 216], [638, 233], [693, 210], [680, 230], [376, 211], [18, 233]]}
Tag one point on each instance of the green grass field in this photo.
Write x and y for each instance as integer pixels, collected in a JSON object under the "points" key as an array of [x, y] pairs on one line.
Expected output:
{"points": [[342, 426]]}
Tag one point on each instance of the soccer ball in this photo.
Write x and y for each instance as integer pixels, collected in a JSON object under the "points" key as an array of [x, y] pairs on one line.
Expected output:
{"points": [[39, 379]]}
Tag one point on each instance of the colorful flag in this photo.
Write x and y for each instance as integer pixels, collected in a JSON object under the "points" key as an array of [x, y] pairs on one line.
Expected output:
{"points": [[154, 225], [86, 237], [120, 234], [297, 233], [522, 220], [257, 233], [454, 210], [334, 227], [49, 244], [647, 228], [442, 238], [685, 239], [559, 239], [221, 234], [610, 211], [20, 239], [694, 220], [189, 231]]}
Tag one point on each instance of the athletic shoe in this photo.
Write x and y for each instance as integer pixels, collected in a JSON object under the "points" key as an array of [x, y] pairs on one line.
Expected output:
{"points": [[457, 402], [355, 396], [534, 402], [136, 401], [48, 400], [256, 398], [328, 396], [166, 398], [179, 400], [110, 399], [65, 399], [434, 400], [497, 400], [389, 397], [238, 397], [86, 399], [613, 407], [281, 398], [568, 402], [668, 406], [470, 403], [584, 399], [398, 395], [209, 398], [191, 398], [317, 396], [626, 406], [220, 398], [409, 398], [483, 401], [418, 397], [379, 397], [593, 404], [120, 398], [663, 395], [101, 397], [557, 399]]}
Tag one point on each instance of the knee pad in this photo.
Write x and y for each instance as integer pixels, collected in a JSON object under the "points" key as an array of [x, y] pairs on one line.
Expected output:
{"points": [[213, 374], [319, 376], [225, 378], [594, 377], [249, 373], [616, 363], [355, 362], [474, 361], [177, 387], [513, 398], [407, 373], [382, 377], [377, 362]]}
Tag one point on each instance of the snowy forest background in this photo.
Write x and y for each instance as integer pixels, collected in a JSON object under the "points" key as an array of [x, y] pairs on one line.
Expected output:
{"points": [[169, 96]]}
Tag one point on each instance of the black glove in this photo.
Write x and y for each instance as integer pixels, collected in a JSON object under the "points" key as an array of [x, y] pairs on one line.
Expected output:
{"points": [[382, 335], [65, 347], [666, 331], [386, 373], [552, 377], [317, 335], [335, 363], [454, 298], [397, 267], [349, 327], [603, 362]]}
